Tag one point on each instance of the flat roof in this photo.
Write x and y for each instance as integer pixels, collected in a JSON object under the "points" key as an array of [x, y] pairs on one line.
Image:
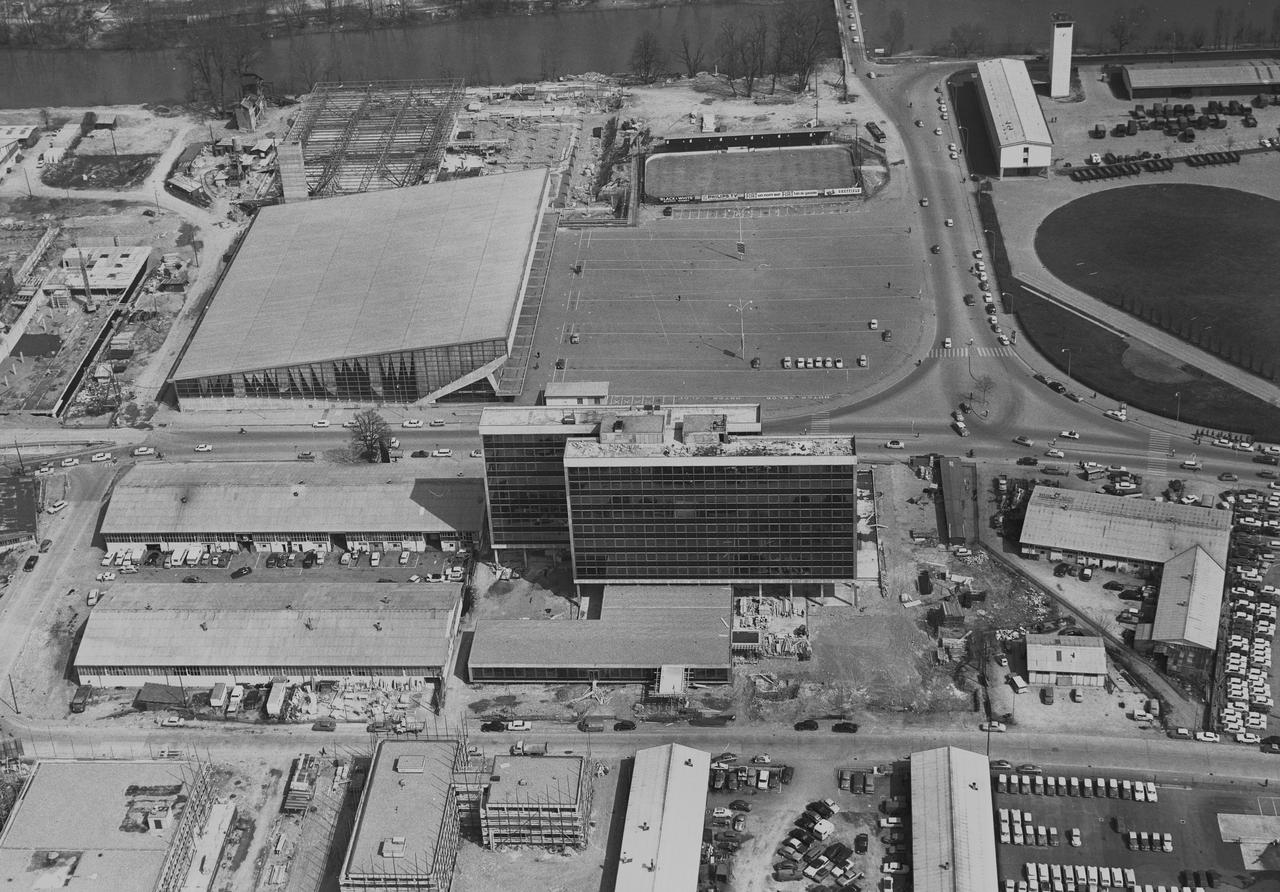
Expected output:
{"points": [[88, 815], [740, 418], [405, 796], [1260, 73], [272, 624], [1066, 654], [106, 267], [953, 843], [291, 497], [1011, 99], [535, 780], [661, 849], [625, 638], [733, 449], [379, 272], [665, 597], [1136, 529], [959, 482], [1190, 602]]}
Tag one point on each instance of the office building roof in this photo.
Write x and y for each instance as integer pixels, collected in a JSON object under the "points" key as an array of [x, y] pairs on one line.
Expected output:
{"points": [[1015, 110], [661, 849], [295, 497], [1190, 602], [730, 450], [1133, 529], [622, 638], [273, 624], [1066, 654], [378, 272], [83, 821], [953, 844], [1235, 73], [404, 808], [535, 780], [741, 418], [665, 597]]}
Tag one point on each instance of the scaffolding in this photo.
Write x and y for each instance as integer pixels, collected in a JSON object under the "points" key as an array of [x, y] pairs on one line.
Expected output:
{"points": [[197, 777], [373, 135]]}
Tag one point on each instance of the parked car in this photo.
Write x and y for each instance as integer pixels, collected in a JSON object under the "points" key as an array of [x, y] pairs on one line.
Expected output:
{"points": [[845, 727], [807, 725]]}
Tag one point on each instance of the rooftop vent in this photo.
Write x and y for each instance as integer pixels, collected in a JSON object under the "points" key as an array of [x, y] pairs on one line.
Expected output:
{"points": [[393, 847], [411, 765]]}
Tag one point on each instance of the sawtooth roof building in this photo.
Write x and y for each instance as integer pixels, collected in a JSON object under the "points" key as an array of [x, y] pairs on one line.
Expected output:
{"points": [[223, 632], [398, 296], [1210, 77], [953, 845], [294, 506], [661, 850], [1016, 128]]}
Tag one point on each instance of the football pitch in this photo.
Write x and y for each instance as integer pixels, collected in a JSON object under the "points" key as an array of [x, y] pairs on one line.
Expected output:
{"points": [[740, 172]]}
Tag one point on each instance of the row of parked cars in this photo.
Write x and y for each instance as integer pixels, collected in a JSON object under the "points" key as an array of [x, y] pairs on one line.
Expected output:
{"points": [[1100, 788], [1247, 649]]}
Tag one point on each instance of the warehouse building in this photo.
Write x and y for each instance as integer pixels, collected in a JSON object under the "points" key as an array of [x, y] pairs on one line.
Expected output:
{"points": [[200, 635], [1100, 530], [953, 846], [1071, 661], [1210, 77], [401, 296], [537, 801], [269, 506], [668, 637], [959, 482], [1185, 631], [524, 457], [1016, 128], [118, 825], [660, 851], [406, 826]]}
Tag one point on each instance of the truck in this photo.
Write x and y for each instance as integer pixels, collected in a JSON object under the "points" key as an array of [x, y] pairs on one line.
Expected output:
{"points": [[1057, 470], [592, 723], [233, 703], [1018, 683], [218, 696], [81, 698], [193, 556], [275, 699], [874, 129], [520, 748]]}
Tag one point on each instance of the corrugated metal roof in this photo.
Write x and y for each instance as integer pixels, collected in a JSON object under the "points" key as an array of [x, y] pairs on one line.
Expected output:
{"points": [[1242, 73], [661, 846], [1066, 654], [1190, 603], [383, 271], [1015, 110], [277, 624], [636, 637], [1135, 529], [953, 844], [264, 497]]}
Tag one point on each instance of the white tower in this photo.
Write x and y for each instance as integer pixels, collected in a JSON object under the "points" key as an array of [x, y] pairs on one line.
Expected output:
{"points": [[1060, 56]]}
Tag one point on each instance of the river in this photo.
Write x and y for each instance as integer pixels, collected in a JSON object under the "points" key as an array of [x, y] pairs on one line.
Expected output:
{"points": [[483, 51]]}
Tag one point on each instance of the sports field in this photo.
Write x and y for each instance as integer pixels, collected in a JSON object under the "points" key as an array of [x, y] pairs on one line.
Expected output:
{"points": [[1197, 261], [759, 170]]}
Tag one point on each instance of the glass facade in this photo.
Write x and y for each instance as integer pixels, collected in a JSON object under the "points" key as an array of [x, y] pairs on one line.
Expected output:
{"points": [[729, 523], [403, 377], [525, 478]]}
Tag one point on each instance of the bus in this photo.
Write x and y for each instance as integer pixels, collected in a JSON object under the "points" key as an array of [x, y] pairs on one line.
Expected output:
{"points": [[874, 129]]}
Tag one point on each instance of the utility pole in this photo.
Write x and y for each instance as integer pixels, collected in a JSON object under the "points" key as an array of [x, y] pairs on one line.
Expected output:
{"points": [[14, 692]]}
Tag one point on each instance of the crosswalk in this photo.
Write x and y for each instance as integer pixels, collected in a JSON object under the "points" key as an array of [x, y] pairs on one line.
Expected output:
{"points": [[820, 423], [1157, 452], [962, 352]]}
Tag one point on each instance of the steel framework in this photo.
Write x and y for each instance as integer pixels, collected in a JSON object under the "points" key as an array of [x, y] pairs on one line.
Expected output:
{"points": [[376, 134]]}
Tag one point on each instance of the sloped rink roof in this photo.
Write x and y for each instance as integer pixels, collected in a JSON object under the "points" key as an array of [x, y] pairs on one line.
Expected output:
{"points": [[1013, 103], [1190, 603], [293, 497], [276, 624], [355, 275]]}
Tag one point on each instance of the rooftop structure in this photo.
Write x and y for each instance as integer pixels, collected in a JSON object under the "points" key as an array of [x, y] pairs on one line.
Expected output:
{"points": [[397, 296], [354, 137], [302, 631], [1109, 527], [659, 853], [585, 420], [406, 827], [576, 393], [1066, 659], [126, 826], [1190, 603], [953, 844], [109, 271], [1201, 77], [536, 800], [266, 502]]}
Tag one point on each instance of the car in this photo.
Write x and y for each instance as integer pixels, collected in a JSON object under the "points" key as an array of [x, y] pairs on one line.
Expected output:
{"points": [[493, 726], [519, 725], [946, 343], [173, 721], [1069, 435], [894, 444], [411, 423], [807, 725], [845, 727], [1117, 414], [1029, 768], [721, 812], [1207, 737], [1055, 453], [762, 759], [992, 727], [70, 462], [441, 453], [437, 422], [948, 222], [726, 757], [477, 453], [937, 131], [105, 577], [1024, 441], [203, 447], [322, 423], [57, 506], [93, 596], [624, 725], [895, 868], [1241, 737], [924, 202], [100, 456], [241, 573], [1029, 460], [1074, 838], [936, 249], [44, 471], [191, 580], [919, 123]]}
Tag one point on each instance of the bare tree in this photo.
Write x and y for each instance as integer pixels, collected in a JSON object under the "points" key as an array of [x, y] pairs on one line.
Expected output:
{"points": [[968, 38], [370, 434], [984, 386], [1126, 25], [1275, 24], [728, 56], [1198, 37], [690, 53], [217, 58], [647, 56], [799, 32], [1221, 24], [753, 52]]}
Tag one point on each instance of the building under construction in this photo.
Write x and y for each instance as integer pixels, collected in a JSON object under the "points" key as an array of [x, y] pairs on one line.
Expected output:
{"points": [[536, 801], [352, 138]]}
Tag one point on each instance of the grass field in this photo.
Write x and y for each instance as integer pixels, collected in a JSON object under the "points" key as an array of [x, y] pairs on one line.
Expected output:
{"points": [[1197, 261], [760, 170]]}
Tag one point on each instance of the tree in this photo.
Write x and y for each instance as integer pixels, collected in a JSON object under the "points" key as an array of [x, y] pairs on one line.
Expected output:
{"points": [[984, 386], [690, 53], [727, 54], [369, 435], [968, 38], [1198, 37], [647, 56], [218, 56], [1221, 22], [897, 32], [1275, 23], [1126, 25], [753, 50], [799, 33]]}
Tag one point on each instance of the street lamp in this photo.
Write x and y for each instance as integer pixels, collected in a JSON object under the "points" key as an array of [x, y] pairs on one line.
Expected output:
{"points": [[1067, 350], [970, 357], [741, 307], [1178, 416]]}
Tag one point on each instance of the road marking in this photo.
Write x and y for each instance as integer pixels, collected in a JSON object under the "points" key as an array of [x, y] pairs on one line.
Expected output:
{"points": [[820, 423], [962, 352], [1157, 452]]}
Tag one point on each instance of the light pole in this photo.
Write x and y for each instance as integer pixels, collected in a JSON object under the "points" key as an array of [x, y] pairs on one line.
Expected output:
{"points": [[741, 307], [970, 358], [1177, 418], [1067, 350]]}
